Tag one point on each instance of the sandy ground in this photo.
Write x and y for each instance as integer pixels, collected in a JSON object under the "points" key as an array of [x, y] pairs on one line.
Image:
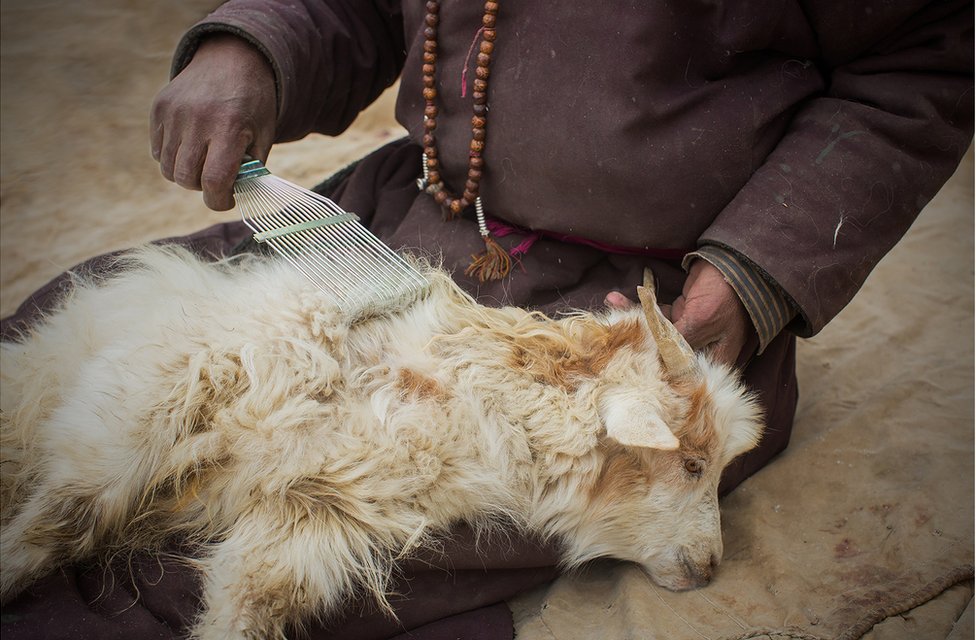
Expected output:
{"points": [[872, 503]]}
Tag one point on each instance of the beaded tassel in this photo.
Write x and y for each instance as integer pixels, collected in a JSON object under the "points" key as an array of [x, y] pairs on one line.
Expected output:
{"points": [[494, 263]]}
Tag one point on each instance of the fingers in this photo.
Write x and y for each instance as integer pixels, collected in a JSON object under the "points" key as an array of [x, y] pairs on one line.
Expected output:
{"points": [[163, 150], [721, 339], [617, 300], [188, 164], [196, 153], [155, 135], [205, 157], [710, 315], [698, 330], [218, 173], [220, 106]]}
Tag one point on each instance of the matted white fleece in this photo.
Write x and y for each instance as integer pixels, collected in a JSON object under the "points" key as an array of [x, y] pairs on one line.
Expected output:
{"points": [[230, 403]]}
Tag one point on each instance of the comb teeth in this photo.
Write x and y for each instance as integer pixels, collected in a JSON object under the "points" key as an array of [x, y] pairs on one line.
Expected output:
{"points": [[360, 274]]}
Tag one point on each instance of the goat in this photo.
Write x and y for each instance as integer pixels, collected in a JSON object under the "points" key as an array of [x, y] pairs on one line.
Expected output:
{"points": [[230, 404]]}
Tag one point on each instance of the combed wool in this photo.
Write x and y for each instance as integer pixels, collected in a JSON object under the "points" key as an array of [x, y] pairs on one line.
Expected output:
{"points": [[229, 404]]}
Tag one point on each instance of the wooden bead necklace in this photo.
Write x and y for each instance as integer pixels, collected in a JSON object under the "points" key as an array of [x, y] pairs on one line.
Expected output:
{"points": [[494, 263]]}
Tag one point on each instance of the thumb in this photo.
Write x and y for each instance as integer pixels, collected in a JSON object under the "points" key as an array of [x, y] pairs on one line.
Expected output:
{"points": [[617, 300]]}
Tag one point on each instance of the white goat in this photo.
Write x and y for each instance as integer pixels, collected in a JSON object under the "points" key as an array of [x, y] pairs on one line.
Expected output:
{"points": [[230, 404]]}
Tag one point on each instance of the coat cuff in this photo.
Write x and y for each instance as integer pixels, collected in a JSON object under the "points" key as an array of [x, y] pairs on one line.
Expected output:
{"points": [[768, 308]]}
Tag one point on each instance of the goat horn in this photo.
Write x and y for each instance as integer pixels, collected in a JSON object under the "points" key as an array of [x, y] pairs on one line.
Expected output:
{"points": [[676, 354]]}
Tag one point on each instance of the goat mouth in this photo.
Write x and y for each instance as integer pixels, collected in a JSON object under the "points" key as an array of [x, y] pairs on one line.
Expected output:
{"points": [[698, 575]]}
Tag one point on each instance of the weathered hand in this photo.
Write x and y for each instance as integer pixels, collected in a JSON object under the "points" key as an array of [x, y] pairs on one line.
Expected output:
{"points": [[221, 106], [708, 313]]}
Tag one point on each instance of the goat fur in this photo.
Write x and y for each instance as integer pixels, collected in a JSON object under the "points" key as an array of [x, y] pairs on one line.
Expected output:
{"points": [[230, 405]]}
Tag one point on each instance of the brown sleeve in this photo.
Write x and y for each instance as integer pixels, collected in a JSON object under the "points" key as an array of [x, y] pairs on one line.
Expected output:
{"points": [[859, 161], [331, 58]]}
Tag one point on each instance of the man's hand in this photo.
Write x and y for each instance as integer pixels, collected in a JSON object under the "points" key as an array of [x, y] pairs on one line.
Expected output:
{"points": [[221, 106], [708, 313]]}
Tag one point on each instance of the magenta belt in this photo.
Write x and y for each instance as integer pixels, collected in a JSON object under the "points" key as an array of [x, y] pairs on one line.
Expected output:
{"points": [[501, 229]]}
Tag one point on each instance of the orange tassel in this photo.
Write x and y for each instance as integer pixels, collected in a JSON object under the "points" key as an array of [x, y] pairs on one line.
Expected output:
{"points": [[493, 264]]}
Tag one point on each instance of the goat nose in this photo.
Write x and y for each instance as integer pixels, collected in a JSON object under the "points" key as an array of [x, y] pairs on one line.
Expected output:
{"points": [[704, 575], [699, 574], [713, 561], [697, 578]]}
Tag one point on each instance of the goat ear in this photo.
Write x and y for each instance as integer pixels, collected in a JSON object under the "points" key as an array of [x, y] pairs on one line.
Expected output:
{"points": [[745, 432], [742, 439], [639, 429]]}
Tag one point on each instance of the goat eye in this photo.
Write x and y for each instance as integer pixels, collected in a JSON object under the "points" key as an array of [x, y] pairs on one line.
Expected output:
{"points": [[694, 466]]}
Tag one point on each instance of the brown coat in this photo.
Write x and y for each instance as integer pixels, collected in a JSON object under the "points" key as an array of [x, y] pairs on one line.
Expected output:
{"points": [[804, 136]]}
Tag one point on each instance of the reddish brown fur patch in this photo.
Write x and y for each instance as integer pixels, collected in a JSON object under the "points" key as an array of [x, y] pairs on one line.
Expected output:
{"points": [[697, 430], [416, 384], [630, 469], [555, 357], [602, 348], [620, 475]]}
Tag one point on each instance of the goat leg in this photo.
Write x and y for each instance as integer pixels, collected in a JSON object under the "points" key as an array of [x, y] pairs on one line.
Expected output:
{"points": [[272, 567]]}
